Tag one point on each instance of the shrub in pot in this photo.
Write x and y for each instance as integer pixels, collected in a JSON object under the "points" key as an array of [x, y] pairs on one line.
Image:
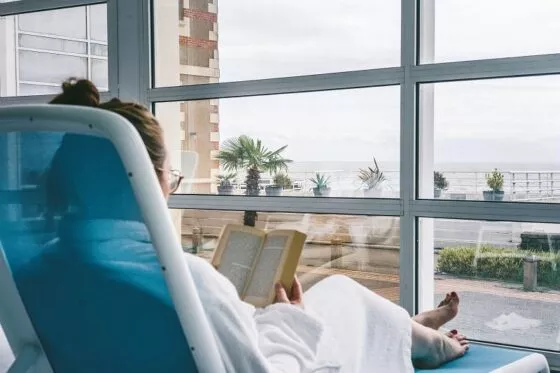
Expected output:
{"points": [[225, 186], [246, 153], [321, 183], [440, 184], [372, 179], [495, 182], [280, 182]]}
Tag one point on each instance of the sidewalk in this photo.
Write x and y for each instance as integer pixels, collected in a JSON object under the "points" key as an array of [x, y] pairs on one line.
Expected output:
{"points": [[446, 284]]}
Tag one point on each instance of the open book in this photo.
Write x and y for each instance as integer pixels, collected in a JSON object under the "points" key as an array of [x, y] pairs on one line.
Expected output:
{"points": [[254, 260]]}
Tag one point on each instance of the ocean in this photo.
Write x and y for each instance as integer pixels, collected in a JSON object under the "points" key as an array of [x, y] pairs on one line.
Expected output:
{"points": [[467, 179]]}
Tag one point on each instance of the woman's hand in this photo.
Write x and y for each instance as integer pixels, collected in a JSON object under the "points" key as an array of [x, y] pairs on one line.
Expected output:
{"points": [[296, 294]]}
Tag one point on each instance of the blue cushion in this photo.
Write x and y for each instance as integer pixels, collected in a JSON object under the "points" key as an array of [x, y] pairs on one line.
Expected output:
{"points": [[481, 359], [104, 317]]}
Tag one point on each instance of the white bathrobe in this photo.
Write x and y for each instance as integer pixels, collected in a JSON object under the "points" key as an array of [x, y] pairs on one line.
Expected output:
{"points": [[344, 327]]}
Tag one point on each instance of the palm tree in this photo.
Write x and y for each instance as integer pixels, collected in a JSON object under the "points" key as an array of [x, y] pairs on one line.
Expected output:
{"points": [[246, 153]]}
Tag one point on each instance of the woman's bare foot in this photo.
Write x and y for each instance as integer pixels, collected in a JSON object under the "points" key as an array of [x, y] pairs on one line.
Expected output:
{"points": [[431, 349], [445, 312], [454, 334], [447, 299]]}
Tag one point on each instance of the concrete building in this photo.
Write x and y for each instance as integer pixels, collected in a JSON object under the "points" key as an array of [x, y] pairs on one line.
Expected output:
{"points": [[40, 50], [199, 64]]}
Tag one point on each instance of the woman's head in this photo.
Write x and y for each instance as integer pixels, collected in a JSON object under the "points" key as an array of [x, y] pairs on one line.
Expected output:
{"points": [[84, 93], [86, 172]]}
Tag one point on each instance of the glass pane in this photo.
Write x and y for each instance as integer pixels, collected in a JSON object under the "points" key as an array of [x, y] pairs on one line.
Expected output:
{"points": [[269, 38], [100, 73], [365, 248], [6, 354], [50, 68], [52, 44], [477, 29], [491, 263], [98, 22], [508, 125], [331, 138], [36, 89], [50, 47], [99, 50], [56, 22]]}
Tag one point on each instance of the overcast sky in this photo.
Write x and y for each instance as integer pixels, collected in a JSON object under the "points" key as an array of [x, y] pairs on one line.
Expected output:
{"points": [[513, 121]]}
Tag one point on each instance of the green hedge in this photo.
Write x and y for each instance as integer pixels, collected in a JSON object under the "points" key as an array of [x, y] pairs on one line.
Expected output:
{"points": [[498, 264]]}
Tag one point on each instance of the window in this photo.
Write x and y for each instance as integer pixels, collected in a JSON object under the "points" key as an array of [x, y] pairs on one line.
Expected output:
{"points": [[52, 46], [55, 68], [492, 263], [7, 356], [365, 248], [50, 23], [333, 142], [266, 39], [459, 113], [473, 30], [506, 130], [98, 22]]}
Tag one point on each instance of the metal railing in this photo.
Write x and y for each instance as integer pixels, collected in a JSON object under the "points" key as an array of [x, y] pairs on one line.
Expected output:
{"points": [[469, 185]]}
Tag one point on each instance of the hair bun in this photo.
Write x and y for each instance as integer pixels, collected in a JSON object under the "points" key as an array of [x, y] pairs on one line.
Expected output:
{"points": [[78, 92]]}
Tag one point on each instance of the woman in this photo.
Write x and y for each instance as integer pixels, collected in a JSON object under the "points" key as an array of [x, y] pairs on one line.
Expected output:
{"points": [[337, 326]]}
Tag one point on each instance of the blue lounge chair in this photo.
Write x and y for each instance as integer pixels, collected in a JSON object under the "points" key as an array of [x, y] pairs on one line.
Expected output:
{"points": [[113, 312]]}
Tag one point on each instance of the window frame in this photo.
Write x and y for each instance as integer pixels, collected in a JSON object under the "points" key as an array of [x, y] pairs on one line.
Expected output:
{"points": [[130, 77]]}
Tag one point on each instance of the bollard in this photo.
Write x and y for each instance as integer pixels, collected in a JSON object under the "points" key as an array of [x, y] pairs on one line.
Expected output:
{"points": [[530, 268], [336, 253], [196, 239]]}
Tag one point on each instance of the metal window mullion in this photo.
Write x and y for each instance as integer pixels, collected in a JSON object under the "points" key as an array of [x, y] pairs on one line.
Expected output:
{"points": [[407, 261], [51, 51], [482, 210], [113, 45], [88, 45], [146, 54], [128, 49], [40, 83], [28, 6], [16, 43], [294, 84], [312, 205], [487, 69], [40, 99], [52, 36]]}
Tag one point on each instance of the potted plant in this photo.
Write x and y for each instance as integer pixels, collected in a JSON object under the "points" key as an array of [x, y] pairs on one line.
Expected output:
{"points": [[440, 183], [495, 182], [249, 154], [280, 181], [372, 178], [321, 183], [225, 186]]}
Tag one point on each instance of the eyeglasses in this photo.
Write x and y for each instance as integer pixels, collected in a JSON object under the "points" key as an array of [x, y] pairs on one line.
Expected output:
{"points": [[175, 179]]}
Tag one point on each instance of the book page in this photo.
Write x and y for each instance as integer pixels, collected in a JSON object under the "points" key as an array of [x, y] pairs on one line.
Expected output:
{"points": [[237, 260], [268, 263]]}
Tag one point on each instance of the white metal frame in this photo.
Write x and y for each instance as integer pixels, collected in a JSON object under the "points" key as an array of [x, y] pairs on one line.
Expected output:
{"points": [[153, 206], [129, 68], [17, 326]]}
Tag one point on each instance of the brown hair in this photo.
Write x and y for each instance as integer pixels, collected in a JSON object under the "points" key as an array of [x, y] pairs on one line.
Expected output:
{"points": [[84, 93]]}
